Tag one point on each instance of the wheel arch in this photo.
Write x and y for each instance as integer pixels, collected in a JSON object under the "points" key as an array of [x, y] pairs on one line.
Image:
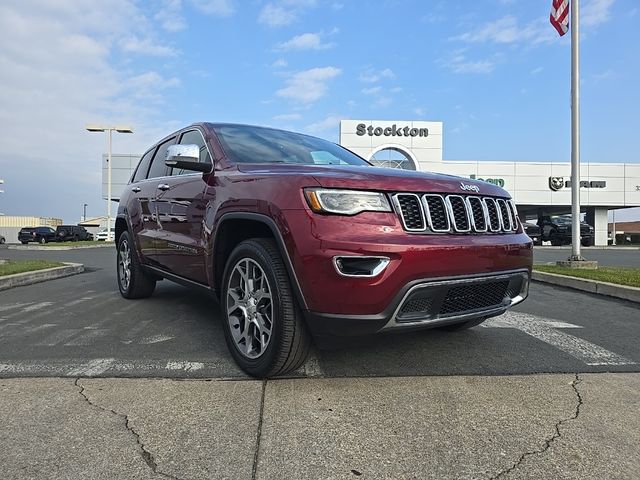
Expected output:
{"points": [[121, 226], [233, 228]]}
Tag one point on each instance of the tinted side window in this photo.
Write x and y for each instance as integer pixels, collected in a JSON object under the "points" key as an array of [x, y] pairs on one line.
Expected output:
{"points": [[158, 168], [193, 137], [143, 166]]}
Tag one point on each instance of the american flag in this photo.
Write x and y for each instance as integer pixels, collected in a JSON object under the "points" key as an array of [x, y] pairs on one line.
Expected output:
{"points": [[559, 17]]}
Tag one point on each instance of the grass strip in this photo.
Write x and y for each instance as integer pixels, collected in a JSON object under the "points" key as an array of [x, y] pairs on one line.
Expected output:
{"points": [[618, 275], [22, 266], [74, 244]]}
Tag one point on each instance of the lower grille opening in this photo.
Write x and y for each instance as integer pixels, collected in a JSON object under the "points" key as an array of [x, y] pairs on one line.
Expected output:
{"points": [[472, 297], [441, 300]]}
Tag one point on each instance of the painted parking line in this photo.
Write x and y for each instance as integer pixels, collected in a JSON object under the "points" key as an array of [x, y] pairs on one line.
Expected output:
{"points": [[550, 332], [185, 366], [92, 368], [112, 367], [13, 306]]}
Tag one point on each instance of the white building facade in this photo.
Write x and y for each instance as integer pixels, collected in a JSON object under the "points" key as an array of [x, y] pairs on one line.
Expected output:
{"points": [[538, 188]]}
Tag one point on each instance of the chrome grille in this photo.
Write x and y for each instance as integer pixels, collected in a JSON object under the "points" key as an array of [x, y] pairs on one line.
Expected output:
{"points": [[492, 213], [459, 214], [410, 211], [478, 214], [505, 214], [436, 213]]}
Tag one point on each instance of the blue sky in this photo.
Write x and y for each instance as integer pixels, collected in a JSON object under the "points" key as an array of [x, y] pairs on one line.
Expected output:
{"points": [[494, 71]]}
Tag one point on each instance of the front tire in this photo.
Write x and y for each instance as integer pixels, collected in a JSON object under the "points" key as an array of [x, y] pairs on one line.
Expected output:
{"points": [[263, 326], [133, 281], [42, 240]]}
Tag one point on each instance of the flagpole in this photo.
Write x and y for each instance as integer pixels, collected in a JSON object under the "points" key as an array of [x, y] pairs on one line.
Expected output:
{"points": [[575, 131]]}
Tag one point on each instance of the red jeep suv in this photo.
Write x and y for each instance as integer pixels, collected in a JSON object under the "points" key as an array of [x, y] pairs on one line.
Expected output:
{"points": [[297, 236]]}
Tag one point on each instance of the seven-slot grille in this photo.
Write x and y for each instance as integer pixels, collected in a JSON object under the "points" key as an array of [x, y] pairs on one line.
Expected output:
{"points": [[455, 213]]}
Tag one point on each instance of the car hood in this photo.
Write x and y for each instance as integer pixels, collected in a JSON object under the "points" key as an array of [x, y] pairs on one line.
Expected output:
{"points": [[376, 178]]}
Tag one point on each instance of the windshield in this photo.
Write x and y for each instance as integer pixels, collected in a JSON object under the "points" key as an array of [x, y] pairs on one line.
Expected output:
{"points": [[245, 144]]}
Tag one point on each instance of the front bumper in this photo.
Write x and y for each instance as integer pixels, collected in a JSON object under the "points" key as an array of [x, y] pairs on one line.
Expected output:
{"points": [[314, 241], [432, 302]]}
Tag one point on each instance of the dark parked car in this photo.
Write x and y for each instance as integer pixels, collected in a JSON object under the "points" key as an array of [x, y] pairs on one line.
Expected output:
{"points": [[297, 236], [72, 233], [534, 232], [37, 234], [557, 230]]}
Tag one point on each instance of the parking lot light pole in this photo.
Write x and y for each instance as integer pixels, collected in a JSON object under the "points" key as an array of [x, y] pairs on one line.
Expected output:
{"points": [[109, 130], [84, 212]]}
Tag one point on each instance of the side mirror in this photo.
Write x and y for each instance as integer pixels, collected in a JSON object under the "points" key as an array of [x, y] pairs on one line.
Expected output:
{"points": [[186, 157]]}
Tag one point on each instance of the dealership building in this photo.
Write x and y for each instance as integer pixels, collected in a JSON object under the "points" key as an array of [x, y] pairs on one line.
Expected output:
{"points": [[538, 188]]}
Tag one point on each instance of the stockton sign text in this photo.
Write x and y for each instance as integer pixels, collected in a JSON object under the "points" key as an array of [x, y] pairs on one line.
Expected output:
{"points": [[392, 131]]}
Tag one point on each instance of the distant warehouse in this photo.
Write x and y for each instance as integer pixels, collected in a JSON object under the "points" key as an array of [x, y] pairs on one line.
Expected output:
{"points": [[11, 225]]}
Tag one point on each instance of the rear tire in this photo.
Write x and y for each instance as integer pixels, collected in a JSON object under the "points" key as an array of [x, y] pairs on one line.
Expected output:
{"points": [[24, 243], [133, 281], [263, 325], [457, 327]]}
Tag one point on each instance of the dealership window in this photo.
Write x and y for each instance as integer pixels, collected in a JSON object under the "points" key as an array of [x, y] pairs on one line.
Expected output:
{"points": [[392, 158]]}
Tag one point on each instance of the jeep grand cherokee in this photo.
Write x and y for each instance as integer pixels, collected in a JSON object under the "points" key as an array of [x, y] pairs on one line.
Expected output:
{"points": [[297, 236]]}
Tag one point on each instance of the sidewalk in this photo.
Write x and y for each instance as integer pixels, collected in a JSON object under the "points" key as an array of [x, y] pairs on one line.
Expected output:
{"points": [[538, 426]]}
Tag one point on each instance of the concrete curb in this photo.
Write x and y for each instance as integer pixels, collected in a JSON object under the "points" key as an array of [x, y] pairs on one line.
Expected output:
{"points": [[28, 278], [624, 292], [51, 249]]}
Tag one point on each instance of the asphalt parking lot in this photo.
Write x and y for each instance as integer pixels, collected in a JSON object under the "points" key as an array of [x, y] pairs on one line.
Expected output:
{"points": [[608, 257], [81, 326], [95, 386]]}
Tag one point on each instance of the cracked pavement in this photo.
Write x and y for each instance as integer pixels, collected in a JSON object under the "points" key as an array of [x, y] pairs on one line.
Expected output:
{"points": [[507, 427]]}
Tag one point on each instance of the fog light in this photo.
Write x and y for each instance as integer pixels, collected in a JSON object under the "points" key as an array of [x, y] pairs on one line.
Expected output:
{"points": [[360, 266]]}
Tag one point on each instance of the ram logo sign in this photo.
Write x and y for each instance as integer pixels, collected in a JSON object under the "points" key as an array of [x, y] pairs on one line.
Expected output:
{"points": [[556, 183]]}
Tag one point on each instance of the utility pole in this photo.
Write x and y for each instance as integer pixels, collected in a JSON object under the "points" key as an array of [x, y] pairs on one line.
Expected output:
{"points": [[576, 260], [1, 191], [109, 129], [575, 132]]}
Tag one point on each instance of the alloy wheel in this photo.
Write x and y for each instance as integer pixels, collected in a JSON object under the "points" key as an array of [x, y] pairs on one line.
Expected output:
{"points": [[124, 265], [249, 308]]}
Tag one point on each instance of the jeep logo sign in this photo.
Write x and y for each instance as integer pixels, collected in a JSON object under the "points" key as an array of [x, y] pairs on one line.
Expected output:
{"points": [[467, 187], [392, 131], [495, 181]]}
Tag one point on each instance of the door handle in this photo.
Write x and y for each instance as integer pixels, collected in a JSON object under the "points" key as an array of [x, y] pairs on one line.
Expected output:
{"points": [[164, 187], [136, 189]]}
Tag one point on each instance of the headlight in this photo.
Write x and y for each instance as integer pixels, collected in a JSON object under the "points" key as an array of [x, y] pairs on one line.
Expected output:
{"points": [[346, 202]]}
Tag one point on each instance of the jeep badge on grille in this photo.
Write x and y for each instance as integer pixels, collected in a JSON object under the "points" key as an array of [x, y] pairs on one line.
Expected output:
{"points": [[466, 186]]}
